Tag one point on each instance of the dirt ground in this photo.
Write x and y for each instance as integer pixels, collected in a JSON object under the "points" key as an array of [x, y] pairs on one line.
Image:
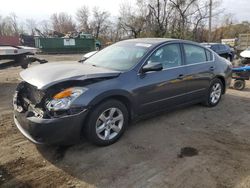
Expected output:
{"points": [[148, 155]]}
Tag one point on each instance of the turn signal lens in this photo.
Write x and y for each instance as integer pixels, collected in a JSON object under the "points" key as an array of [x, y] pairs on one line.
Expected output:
{"points": [[64, 99], [63, 94]]}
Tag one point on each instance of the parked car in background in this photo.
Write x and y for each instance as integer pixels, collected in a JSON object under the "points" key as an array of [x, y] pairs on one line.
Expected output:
{"points": [[59, 102], [222, 50], [245, 57], [245, 53]]}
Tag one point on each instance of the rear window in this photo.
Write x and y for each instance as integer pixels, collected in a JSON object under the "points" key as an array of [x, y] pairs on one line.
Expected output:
{"points": [[194, 54], [223, 47], [215, 47]]}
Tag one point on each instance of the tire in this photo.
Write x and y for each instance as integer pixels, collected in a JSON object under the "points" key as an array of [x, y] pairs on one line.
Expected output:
{"points": [[102, 127], [239, 84], [214, 95]]}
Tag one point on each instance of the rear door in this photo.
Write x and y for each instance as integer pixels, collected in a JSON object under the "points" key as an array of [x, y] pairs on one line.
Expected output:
{"points": [[199, 63]]}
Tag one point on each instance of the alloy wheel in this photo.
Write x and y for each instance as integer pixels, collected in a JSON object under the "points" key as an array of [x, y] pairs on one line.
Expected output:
{"points": [[215, 93], [109, 123]]}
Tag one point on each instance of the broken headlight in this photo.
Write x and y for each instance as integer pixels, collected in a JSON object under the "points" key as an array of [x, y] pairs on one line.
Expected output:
{"points": [[64, 99]]}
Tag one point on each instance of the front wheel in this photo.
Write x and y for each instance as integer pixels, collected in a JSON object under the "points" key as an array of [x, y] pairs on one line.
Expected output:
{"points": [[214, 93], [107, 122]]}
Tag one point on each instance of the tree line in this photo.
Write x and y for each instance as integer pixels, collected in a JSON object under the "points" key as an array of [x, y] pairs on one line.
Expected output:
{"points": [[185, 19]]}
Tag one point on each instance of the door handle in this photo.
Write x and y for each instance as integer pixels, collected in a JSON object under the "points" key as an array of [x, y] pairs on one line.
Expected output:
{"points": [[212, 68], [181, 76]]}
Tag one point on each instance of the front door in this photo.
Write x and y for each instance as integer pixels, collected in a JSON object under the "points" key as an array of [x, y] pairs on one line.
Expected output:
{"points": [[162, 89]]}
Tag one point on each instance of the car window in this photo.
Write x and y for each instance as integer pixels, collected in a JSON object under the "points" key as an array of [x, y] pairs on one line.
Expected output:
{"points": [[215, 48], [209, 55], [194, 54], [227, 47], [222, 47], [169, 56], [120, 56]]}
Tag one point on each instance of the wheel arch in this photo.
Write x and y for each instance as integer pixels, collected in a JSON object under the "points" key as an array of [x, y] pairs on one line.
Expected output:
{"points": [[122, 96], [222, 79]]}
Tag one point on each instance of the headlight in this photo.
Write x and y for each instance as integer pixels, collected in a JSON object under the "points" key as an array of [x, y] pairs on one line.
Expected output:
{"points": [[63, 100]]}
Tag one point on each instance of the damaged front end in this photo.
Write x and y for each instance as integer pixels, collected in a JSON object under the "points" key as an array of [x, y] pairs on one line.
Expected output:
{"points": [[51, 103], [28, 98], [41, 121]]}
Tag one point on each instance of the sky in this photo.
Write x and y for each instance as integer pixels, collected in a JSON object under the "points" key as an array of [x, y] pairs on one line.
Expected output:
{"points": [[42, 9], [239, 8]]}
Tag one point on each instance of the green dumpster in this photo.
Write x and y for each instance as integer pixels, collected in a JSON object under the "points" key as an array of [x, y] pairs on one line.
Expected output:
{"points": [[65, 45]]}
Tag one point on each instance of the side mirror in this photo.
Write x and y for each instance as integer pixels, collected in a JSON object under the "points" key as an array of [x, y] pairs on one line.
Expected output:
{"points": [[152, 67]]}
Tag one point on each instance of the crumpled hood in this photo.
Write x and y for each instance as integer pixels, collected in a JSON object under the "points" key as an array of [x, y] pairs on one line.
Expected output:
{"points": [[43, 76]]}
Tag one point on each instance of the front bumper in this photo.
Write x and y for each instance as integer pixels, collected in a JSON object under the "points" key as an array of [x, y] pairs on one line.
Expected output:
{"points": [[64, 130]]}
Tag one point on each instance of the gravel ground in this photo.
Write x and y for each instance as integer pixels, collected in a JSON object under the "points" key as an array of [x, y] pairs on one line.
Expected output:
{"points": [[190, 147]]}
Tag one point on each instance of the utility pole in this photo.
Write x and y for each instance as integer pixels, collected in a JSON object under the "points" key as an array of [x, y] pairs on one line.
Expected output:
{"points": [[210, 21]]}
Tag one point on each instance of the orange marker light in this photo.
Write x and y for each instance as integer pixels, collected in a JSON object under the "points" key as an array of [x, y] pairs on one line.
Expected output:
{"points": [[63, 94]]}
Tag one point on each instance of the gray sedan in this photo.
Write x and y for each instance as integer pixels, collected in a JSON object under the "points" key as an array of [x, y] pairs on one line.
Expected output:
{"points": [[57, 103]]}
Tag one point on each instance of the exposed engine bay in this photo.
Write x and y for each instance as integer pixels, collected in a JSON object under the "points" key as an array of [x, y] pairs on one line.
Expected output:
{"points": [[28, 99]]}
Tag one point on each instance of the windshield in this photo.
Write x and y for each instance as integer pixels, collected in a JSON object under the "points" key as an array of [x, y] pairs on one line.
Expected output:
{"points": [[121, 56]]}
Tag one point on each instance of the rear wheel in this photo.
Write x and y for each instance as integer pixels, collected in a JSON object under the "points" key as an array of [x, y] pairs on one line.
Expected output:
{"points": [[107, 122], [239, 84], [214, 93]]}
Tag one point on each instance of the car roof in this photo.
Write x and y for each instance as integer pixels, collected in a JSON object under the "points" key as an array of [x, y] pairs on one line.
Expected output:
{"points": [[148, 41], [211, 43], [151, 40], [158, 41]]}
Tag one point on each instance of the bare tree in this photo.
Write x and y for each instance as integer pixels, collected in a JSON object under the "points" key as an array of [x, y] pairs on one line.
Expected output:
{"points": [[198, 21], [14, 23], [184, 9], [9, 25], [160, 14], [45, 26], [114, 33], [83, 16], [2, 26], [100, 22], [31, 25], [63, 22], [133, 20]]}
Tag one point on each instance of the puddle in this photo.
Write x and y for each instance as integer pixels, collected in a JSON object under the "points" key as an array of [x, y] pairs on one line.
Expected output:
{"points": [[188, 152]]}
